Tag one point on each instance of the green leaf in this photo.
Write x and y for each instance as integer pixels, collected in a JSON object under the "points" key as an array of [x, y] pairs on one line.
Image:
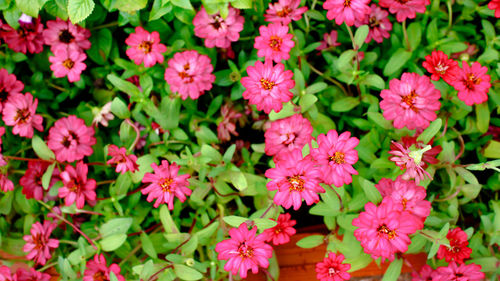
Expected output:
{"points": [[483, 166], [206, 233], [47, 176], [78, 10], [263, 224], [159, 9], [185, 4], [187, 273], [466, 175], [345, 60], [130, 6], [57, 8], [430, 131], [370, 190], [124, 86], [113, 242], [492, 150], [115, 226], [101, 46], [166, 220], [488, 29], [242, 4], [396, 62], [414, 34], [234, 221], [41, 149], [316, 88], [360, 36], [237, 178], [228, 155], [393, 271], [170, 110], [345, 104], [119, 108], [112, 276], [374, 81], [300, 82], [482, 117], [311, 241], [306, 101], [210, 152], [379, 119], [30, 7], [148, 246]]}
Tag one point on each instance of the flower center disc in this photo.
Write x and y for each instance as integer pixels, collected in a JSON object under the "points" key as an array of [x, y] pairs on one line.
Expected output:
{"points": [[296, 183], [68, 63], [337, 157], [275, 43], [266, 84], [384, 230], [165, 184], [410, 100], [146, 46]]}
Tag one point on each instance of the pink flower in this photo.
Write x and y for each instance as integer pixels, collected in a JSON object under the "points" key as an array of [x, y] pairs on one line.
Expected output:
{"points": [[5, 274], [5, 184], [38, 244], [31, 181], [64, 34], [405, 9], [428, 156], [227, 126], [383, 230], [70, 139], [288, 134], [123, 161], [189, 74], [335, 155], [67, 62], [332, 268], [97, 270], [411, 101], [284, 11], [495, 5], [30, 275], [28, 37], [216, 30], [425, 274], [440, 66], [409, 160], [244, 250], [473, 83], [20, 111], [76, 186], [145, 47], [378, 23], [268, 86], [274, 42], [295, 178], [329, 41], [458, 250], [469, 272], [166, 184], [103, 115], [281, 233], [9, 85], [347, 11]]}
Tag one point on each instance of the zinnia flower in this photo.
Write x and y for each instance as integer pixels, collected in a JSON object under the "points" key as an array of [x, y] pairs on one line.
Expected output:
{"points": [[473, 83], [166, 184], [284, 11], [31, 181], [68, 62], [97, 270], [189, 74], [5, 184], [145, 47], [60, 33], [268, 86], [30, 275], [335, 156], [405, 9], [38, 244], [495, 5], [216, 30], [332, 268], [425, 274], [410, 160], [288, 134], [20, 111], [28, 37], [281, 233], [411, 101], [123, 161], [227, 126], [458, 250], [347, 11], [378, 23], [9, 85], [76, 186], [244, 250], [463, 272], [5, 274], [428, 156], [329, 41], [440, 66], [274, 42]]}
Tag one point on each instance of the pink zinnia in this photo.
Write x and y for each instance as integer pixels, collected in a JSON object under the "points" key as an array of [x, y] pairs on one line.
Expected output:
{"points": [[68, 62], [189, 74], [145, 47], [332, 268], [244, 250], [166, 184], [288, 134], [9, 85], [216, 30], [31, 181], [281, 233], [473, 83], [405, 9], [20, 111], [428, 156], [70, 139], [97, 270], [347, 11], [5, 184], [30, 275], [440, 66], [329, 41], [76, 186], [410, 161], [378, 23], [295, 178], [411, 101], [495, 5], [227, 126], [60, 33], [425, 274], [274, 42], [123, 161], [463, 272], [28, 37], [5, 274], [335, 155], [458, 250], [38, 244], [268, 86], [284, 11]]}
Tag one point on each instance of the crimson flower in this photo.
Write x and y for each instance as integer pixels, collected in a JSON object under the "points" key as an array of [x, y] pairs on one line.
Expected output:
{"points": [[76, 186], [97, 270], [123, 161], [440, 66], [458, 250], [281, 233]]}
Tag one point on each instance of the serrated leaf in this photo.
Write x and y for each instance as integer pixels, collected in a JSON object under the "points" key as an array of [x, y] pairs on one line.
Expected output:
{"points": [[41, 149], [311, 241], [78, 10]]}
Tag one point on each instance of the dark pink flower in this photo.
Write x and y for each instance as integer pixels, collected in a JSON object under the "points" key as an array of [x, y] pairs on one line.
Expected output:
{"points": [[96, 270], [20, 111], [68, 62], [244, 251], [425, 274], [5, 184], [378, 23], [458, 250], [5, 274], [332, 268], [405, 8], [329, 41], [60, 33], [227, 126], [9, 85], [30, 275], [284, 11], [38, 244], [428, 156], [495, 5], [440, 66], [28, 37], [473, 83], [123, 161], [76, 187], [274, 42], [216, 30], [463, 272], [31, 181], [145, 47], [347, 11], [288, 134], [281, 233], [410, 161]]}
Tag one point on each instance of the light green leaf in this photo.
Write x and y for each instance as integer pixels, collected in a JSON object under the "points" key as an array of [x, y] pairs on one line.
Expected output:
{"points": [[115, 226], [30, 7], [379, 119], [124, 86], [360, 35], [187, 273], [47, 176], [430, 131], [78, 10], [234, 221], [159, 9], [316, 88], [370, 190], [396, 62], [393, 271], [41, 149], [311, 241], [113, 242], [185, 4], [345, 104], [119, 108], [414, 34], [306, 101], [148, 246], [482, 117], [263, 224], [492, 150], [130, 6], [167, 221], [242, 4], [374, 81]]}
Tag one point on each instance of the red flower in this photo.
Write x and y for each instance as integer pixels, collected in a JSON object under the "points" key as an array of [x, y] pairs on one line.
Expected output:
{"points": [[97, 270], [495, 5], [38, 244], [5, 274], [123, 161], [440, 66], [281, 233], [31, 181], [458, 250], [426, 273], [332, 268], [28, 37], [30, 275], [76, 186]]}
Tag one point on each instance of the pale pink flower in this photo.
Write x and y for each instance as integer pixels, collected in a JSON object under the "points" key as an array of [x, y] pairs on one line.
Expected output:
{"points": [[412, 161], [284, 11], [347, 11], [458, 250], [38, 244], [463, 272], [20, 111], [123, 161], [288, 134], [76, 187], [274, 42], [103, 115], [216, 30], [5, 184], [145, 47], [5, 274], [472, 83], [68, 62], [28, 37], [60, 33], [30, 275], [405, 8], [9, 85], [378, 23], [31, 181], [96, 270], [329, 41], [332, 268], [281, 233]]}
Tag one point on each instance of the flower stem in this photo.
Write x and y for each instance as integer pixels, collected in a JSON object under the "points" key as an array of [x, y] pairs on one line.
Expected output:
{"points": [[407, 42], [450, 14], [42, 269], [115, 23], [27, 159], [337, 83], [354, 46], [137, 132], [267, 210]]}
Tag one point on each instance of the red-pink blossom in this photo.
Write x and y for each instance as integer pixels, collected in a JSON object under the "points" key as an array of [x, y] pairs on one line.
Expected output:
{"points": [[216, 30], [473, 83], [38, 244], [347, 11], [495, 5], [60, 33], [428, 156], [145, 47], [332, 268], [9, 85], [463, 272], [31, 181], [440, 66], [68, 62], [5, 184], [227, 125], [123, 161], [30, 275], [410, 161], [405, 9], [97, 270], [281, 233], [28, 37], [329, 41], [284, 11], [425, 274], [288, 134], [76, 187], [458, 250], [378, 23], [5, 274], [20, 111], [274, 42]]}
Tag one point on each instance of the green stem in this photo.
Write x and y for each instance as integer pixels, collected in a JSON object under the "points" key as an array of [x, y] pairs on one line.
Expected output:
{"points": [[354, 46], [68, 242], [337, 83], [115, 23], [47, 266], [450, 14]]}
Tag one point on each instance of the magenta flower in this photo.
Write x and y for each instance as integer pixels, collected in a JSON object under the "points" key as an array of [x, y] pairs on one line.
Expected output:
{"points": [[411, 101], [335, 155], [70, 139], [123, 161], [97, 270], [413, 161], [284, 11], [458, 250], [31, 181], [145, 47], [9, 85], [60, 33], [28, 37], [473, 83], [5, 274], [332, 268], [405, 9], [288, 134], [281, 233], [378, 23], [425, 274], [166, 184], [30, 275], [244, 250], [347, 11], [68, 62], [274, 42], [76, 186], [329, 41], [268, 86], [495, 5], [463, 272], [38, 244], [440, 66], [189, 74], [20, 111], [5, 184], [295, 178], [216, 30]]}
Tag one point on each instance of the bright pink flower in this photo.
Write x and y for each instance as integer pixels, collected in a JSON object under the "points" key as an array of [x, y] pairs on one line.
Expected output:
{"points": [[335, 155], [463, 272], [409, 160], [145, 47], [28, 37], [64, 34], [70, 139], [458, 250], [30, 275], [103, 115], [244, 250], [227, 126], [216, 30], [405, 9], [473, 83], [5, 184], [274, 42], [411, 101], [76, 186], [332, 268], [495, 5], [383, 230], [288, 134], [5, 274], [378, 23], [329, 41], [295, 178], [97, 270], [268, 86], [189, 74], [284, 11], [68, 62], [9, 85], [166, 184], [281, 233], [425, 274], [123, 161], [38, 244], [20, 111], [440, 66], [31, 181], [347, 11]]}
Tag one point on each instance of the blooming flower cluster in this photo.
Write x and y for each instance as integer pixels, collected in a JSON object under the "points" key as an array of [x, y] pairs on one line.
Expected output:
{"points": [[454, 271]]}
